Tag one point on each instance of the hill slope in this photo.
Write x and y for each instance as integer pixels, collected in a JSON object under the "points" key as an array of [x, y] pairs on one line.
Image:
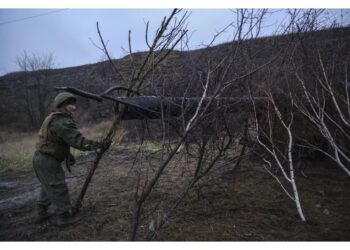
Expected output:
{"points": [[25, 96]]}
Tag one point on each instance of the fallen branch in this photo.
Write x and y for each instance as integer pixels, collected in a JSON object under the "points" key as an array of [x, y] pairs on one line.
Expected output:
{"points": [[81, 93]]}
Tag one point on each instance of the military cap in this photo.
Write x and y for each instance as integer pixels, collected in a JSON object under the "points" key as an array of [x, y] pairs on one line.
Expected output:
{"points": [[62, 97]]}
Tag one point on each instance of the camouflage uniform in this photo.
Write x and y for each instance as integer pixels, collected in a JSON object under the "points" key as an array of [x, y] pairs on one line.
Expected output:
{"points": [[56, 135]]}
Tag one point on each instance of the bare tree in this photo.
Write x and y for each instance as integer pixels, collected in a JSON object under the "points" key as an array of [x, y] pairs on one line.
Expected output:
{"points": [[195, 116], [35, 99], [214, 139], [204, 127], [321, 93], [299, 107], [280, 155], [166, 38], [332, 126]]}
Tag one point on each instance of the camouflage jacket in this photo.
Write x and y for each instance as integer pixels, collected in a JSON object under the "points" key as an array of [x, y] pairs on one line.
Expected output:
{"points": [[58, 132]]}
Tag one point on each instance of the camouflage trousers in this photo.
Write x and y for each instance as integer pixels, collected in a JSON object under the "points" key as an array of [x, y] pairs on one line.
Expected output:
{"points": [[54, 189]]}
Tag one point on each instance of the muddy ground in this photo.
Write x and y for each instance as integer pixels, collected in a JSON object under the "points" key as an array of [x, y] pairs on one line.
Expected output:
{"points": [[249, 207]]}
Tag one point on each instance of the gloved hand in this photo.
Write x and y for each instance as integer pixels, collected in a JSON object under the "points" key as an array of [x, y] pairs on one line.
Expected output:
{"points": [[70, 159], [105, 143]]}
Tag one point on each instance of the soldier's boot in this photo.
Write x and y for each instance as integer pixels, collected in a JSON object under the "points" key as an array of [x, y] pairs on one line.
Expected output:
{"points": [[42, 214], [67, 219]]}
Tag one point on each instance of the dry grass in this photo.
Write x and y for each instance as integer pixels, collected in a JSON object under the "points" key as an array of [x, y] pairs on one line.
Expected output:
{"points": [[96, 132], [14, 143], [100, 130], [17, 149]]}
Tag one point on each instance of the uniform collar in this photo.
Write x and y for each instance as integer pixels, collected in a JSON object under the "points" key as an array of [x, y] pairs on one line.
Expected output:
{"points": [[65, 113]]}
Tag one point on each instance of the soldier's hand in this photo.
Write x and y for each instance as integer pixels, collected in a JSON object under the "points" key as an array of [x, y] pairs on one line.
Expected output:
{"points": [[105, 143], [70, 159]]}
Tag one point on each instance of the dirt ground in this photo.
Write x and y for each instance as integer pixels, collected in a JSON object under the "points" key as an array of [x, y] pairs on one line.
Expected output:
{"points": [[250, 207]]}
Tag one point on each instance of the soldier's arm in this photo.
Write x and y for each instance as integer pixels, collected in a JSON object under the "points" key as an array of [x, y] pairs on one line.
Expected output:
{"points": [[68, 131]]}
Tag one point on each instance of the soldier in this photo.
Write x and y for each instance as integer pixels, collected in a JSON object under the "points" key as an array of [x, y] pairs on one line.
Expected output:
{"points": [[57, 133]]}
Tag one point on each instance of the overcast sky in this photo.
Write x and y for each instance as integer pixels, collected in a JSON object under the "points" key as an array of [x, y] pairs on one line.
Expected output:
{"points": [[67, 33]]}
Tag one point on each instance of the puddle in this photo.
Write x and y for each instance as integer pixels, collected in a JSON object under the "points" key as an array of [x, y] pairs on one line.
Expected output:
{"points": [[26, 191], [18, 199], [7, 185]]}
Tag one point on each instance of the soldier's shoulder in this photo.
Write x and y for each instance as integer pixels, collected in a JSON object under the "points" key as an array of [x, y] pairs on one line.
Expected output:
{"points": [[61, 119]]}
